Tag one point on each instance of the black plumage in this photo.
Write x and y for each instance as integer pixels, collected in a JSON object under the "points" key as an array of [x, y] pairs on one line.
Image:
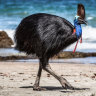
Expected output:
{"points": [[45, 35]]}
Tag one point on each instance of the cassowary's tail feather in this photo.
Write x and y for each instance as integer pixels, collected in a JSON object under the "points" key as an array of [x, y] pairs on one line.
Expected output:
{"points": [[22, 41]]}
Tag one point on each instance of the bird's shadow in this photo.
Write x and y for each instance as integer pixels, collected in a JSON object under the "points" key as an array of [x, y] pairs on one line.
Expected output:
{"points": [[51, 88], [47, 87], [75, 89]]}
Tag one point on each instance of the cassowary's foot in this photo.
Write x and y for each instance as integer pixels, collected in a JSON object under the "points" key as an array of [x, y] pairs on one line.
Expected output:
{"points": [[65, 84], [38, 88]]}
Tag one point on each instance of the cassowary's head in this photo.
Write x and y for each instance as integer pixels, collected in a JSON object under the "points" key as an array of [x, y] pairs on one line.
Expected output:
{"points": [[81, 14]]}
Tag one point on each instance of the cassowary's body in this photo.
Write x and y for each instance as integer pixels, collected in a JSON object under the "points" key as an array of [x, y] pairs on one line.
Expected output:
{"points": [[44, 35]]}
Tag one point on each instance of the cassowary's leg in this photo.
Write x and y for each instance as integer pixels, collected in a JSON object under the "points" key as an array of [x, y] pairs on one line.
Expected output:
{"points": [[36, 85], [63, 81]]}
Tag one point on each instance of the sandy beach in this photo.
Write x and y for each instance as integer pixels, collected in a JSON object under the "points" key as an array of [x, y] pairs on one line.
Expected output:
{"points": [[49, 31], [17, 79]]}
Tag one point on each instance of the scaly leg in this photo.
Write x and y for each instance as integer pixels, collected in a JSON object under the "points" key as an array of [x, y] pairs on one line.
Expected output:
{"points": [[36, 85], [65, 84]]}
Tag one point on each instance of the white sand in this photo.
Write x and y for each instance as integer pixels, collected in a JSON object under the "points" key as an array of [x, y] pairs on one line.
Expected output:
{"points": [[17, 79]]}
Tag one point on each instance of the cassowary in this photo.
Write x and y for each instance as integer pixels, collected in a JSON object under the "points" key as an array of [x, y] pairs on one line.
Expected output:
{"points": [[46, 35]]}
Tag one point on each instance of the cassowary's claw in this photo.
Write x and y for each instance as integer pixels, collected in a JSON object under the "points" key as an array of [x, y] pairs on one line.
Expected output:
{"points": [[65, 84], [68, 87], [39, 88]]}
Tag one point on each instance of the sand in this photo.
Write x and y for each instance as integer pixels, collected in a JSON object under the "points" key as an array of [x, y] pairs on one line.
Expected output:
{"points": [[17, 79]]}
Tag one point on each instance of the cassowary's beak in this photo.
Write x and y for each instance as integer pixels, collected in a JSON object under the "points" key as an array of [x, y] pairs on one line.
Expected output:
{"points": [[81, 21]]}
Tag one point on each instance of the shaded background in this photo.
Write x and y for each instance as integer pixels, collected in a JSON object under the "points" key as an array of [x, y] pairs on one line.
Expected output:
{"points": [[13, 11]]}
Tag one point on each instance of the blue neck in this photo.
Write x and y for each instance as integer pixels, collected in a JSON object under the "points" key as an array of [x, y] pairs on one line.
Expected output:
{"points": [[78, 28]]}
